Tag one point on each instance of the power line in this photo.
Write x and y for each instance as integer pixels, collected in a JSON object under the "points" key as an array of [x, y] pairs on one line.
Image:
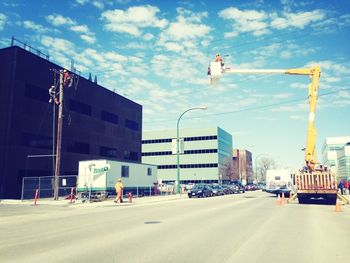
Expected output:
{"points": [[253, 108]]}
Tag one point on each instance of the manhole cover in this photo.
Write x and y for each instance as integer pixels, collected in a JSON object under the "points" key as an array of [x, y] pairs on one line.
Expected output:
{"points": [[152, 222]]}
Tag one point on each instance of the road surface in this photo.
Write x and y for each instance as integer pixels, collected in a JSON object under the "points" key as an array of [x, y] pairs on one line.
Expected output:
{"points": [[248, 227]]}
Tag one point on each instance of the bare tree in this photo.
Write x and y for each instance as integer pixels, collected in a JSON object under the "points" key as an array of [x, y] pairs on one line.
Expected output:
{"points": [[265, 164], [226, 169]]}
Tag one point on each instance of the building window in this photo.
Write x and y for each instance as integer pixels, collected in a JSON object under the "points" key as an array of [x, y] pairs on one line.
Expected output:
{"points": [[156, 141], [203, 151], [184, 166], [149, 171], [133, 125], [109, 117], [79, 107], [36, 141], [125, 171], [187, 139], [36, 93], [201, 138], [108, 152], [78, 147]]}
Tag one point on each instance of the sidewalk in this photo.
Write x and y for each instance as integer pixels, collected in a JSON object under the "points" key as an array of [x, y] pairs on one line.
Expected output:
{"points": [[107, 202]]}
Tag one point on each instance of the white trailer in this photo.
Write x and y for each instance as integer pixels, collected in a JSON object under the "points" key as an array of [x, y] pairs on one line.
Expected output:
{"points": [[97, 178], [279, 181]]}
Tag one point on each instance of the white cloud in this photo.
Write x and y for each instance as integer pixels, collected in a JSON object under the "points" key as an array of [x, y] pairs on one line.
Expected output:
{"points": [[80, 29], [148, 36], [282, 96], [59, 20], [100, 4], [3, 20], [259, 22], [31, 25], [132, 20], [244, 21], [88, 39], [297, 20], [186, 33], [344, 94], [298, 85], [297, 117], [58, 44]]}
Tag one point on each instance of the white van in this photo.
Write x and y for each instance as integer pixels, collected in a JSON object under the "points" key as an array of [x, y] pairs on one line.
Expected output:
{"points": [[279, 181]]}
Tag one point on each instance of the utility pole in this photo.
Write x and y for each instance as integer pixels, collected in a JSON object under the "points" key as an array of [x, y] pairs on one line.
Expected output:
{"points": [[59, 136]]}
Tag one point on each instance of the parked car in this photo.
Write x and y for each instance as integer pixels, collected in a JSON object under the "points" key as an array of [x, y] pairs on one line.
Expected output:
{"points": [[200, 190], [228, 189], [234, 188], [250, 187], [217, 189], [239, 185]]}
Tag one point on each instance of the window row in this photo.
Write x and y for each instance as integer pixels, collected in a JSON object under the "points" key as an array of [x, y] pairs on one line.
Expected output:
{"points": [[156, 141], [45, 142], [199, 165], [186, 152], [40, 94], [186, 139]]}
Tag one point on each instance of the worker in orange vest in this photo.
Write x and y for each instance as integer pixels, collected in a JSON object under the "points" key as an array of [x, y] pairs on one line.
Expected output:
{"points": [[218, 58], [119, 190]]}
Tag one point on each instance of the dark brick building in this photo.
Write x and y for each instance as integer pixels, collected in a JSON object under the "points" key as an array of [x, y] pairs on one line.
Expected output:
{"points": [[97, 123]]}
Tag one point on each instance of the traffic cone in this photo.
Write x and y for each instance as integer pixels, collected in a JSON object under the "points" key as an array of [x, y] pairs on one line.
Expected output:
{"points": [[283, 200], [337, 207], [278, 200]]}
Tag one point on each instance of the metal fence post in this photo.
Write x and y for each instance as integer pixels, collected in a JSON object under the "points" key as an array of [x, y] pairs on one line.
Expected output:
{"points": [[39, 187], [22, 189]]}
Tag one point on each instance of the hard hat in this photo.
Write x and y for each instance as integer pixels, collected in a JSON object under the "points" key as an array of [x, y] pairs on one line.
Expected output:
{"points": [[217, 54], [119, 180]]}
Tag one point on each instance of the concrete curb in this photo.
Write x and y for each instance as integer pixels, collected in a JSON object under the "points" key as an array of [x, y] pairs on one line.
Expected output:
{"points": [[108, 202]]}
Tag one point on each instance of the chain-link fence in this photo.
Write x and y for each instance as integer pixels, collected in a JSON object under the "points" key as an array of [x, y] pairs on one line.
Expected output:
{"points": [[45, 185]]}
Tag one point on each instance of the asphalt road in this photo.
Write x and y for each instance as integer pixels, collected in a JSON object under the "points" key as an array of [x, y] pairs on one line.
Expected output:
{"points": [[238, 228]]}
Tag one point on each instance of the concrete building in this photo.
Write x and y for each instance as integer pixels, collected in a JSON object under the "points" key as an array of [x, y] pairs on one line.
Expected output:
{"points": [[336, 155], [205, 150], [242, 165], [97, 122]]}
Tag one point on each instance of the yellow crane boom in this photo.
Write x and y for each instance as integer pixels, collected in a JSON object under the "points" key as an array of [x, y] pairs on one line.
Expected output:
{"points": [[314, 73]]}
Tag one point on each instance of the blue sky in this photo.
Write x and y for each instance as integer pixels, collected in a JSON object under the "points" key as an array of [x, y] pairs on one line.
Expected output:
{"points": [[157, 53]]}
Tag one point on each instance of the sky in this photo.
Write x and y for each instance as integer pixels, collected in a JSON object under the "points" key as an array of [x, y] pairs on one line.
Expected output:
{"points": [[156, 53]]}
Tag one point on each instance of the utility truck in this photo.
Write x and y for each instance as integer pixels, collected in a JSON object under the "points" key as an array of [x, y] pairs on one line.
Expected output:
{"points": [[279, 181], [97, 178], [314, 183]]}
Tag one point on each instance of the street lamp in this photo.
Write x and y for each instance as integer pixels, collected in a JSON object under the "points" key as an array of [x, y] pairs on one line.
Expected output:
{"points": [[177, 145], [256, 166]]}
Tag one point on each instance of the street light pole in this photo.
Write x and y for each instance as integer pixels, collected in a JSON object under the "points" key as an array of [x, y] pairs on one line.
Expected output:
{"points": [[177, 145]]}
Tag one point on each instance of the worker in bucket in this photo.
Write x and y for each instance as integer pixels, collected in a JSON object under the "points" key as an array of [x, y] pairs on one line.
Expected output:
{"points": [[218, 58], [119, 191]]}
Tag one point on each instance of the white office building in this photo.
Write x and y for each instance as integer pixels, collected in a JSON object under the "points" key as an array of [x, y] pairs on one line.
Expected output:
{"points": [[336, 155], [203, 152]]}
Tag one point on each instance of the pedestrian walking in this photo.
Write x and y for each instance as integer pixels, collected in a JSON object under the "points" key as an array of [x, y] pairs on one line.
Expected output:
{"points": [[341, 187], [119, 191], [345, 187]]}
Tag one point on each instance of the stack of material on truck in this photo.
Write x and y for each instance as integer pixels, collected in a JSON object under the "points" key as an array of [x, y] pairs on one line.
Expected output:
{"points": [[316, 185]]}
